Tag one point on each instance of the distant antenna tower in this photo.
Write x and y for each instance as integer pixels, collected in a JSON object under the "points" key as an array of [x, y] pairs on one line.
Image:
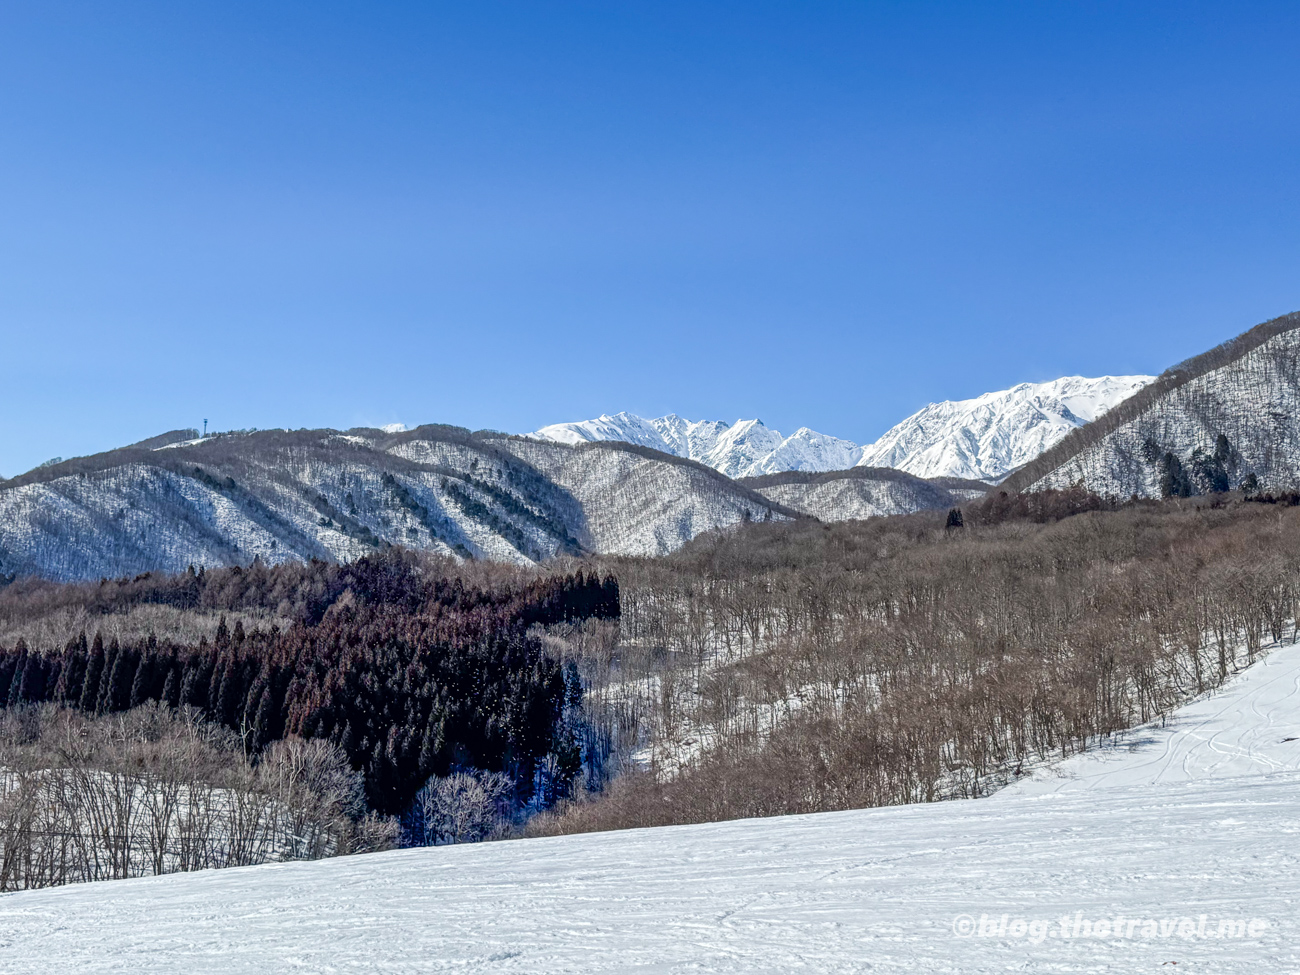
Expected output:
{"points": [[205, 428]]}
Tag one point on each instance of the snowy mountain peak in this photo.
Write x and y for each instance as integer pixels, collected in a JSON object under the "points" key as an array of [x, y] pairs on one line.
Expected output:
{"points": [[983, 438], [987, 437], [745, 448]]}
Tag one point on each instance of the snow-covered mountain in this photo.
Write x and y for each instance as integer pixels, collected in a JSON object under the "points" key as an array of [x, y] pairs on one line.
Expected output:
{"points": [[1210, 423], [279, 495], [991, 435], [746, 448], [983, 438], [180, 500]]}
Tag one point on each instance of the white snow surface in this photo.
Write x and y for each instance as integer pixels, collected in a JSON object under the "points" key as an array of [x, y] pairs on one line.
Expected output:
{"points": [[983, 438], [1199, 818]]}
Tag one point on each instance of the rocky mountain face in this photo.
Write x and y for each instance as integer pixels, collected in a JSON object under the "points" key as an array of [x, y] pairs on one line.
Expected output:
{"points": [[1223, 419], [983, 438]]}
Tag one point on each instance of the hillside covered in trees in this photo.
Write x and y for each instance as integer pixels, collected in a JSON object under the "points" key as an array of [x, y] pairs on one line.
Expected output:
{"points": [[803, 667], [1225, 419], [411, 676], [281, 495]]}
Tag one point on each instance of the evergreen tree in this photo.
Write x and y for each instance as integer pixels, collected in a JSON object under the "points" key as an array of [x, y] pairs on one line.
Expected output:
{"points": [[20, 669], [117, 689], [71, 673], [171, 693], [230, 695], [32, 688], [1174, 482], [142, 685], [263, 720], [8, 664], [94, 671]]}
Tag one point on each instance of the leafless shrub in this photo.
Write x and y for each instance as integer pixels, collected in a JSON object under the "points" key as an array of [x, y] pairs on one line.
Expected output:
{"points": [[466, 807]]}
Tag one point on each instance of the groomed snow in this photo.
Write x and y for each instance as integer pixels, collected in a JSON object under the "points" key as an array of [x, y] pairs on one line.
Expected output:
{"points": [[1201, 820]]}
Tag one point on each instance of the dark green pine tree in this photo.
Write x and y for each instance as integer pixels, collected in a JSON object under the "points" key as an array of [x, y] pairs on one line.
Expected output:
{"points": [[263, 720], [32, 688], [171, 692], [1174, 481], [70, 672], [7, 664], [117, 689], [20, 668], [94, 672], [142, 685], [230, 695], [955, 519]]}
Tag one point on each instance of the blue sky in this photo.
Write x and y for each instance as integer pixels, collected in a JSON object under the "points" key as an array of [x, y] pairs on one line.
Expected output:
{"points": [[505, 215]]}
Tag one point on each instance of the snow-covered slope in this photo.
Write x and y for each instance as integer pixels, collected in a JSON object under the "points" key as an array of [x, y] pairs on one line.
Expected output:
{"points": [[982, 438], [1247, 390], [861, 492], [281, 495], [746, 448], [1251, 726], [987, 437], [1162, 859]]}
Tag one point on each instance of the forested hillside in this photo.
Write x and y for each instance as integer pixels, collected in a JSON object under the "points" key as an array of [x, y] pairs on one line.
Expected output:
{"points": [[803, 667], [279, 495], [863, 492], [412, 678], [774, 667], [1228, 418]]}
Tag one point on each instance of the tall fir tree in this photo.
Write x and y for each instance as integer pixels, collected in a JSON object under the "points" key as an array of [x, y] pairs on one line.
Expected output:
{"points": [[94, 673]]}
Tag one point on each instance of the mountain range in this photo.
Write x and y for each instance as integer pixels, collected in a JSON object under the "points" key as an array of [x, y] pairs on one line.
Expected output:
{"points": [[631, 486], [984, 438], [180, 500]]}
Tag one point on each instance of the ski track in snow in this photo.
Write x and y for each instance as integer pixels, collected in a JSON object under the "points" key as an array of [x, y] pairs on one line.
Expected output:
{"points": [[1198, 817]]}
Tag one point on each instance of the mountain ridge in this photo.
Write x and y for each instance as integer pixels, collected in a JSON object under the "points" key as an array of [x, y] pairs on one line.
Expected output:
{"points": [[1166, 437], [277, 495], [984, 438]]}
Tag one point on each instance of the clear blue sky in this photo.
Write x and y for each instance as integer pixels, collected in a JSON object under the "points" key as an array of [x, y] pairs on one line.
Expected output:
{"points": [[505, 215]]}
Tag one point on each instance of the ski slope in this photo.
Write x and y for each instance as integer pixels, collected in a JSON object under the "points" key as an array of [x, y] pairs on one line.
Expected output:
{"points": [[1249, 727], [1199, 818]]}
